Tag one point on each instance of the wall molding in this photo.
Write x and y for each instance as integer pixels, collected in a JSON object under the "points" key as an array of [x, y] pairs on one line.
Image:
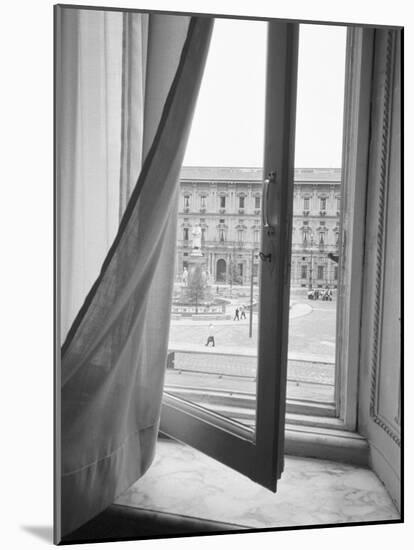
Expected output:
{"points": [[386, 73]]}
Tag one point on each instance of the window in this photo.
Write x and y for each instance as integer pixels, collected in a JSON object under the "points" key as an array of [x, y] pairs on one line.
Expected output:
{"points": [[306, 203], [186, 202], [238, 445], [203, 202], [185, 233], [241, 201], [240, 234], [257, 202], [323, 203], [304, 271], [321, 238], [335, 273], [206, 433]]}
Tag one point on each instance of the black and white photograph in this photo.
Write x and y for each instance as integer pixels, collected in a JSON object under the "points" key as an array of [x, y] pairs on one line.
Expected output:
{"points": [[226, 277], [228, 205]]}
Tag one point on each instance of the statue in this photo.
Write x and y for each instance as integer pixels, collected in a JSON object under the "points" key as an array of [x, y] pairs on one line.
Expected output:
{"points": [[196, 233], [185, 277]]}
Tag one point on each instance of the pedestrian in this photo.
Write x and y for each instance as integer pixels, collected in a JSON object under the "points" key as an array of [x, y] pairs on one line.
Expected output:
{"points": [[210, 337], [242, 313], [236, 314]]}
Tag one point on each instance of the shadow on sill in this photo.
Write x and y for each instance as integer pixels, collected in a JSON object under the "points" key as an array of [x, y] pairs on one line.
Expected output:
{"points": [[120, 523]]}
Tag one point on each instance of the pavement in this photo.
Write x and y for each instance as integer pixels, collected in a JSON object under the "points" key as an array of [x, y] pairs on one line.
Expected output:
{"points": [[232, 336], [245, 366]]}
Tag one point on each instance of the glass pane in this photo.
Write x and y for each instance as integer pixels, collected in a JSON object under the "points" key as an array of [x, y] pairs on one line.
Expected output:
{"points": [[316, 214], [213, 336]]}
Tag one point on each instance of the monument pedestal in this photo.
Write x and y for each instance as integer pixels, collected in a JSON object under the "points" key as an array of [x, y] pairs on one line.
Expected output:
{"points": [[195, 259]]}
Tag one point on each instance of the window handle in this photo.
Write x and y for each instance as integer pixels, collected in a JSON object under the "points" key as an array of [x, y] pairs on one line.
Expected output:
{"points": [[269, 181]]}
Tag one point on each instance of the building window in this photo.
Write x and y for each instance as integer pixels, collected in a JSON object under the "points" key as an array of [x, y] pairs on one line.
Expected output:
{"points": [[221, 235], [306, 203], [203, 201], [305, 236], [256, 233], [222, 201], [320, 271], [335, 272], [338, 203], [257, 202], [185, 235], [186, 201], [304, 271], [323, 203], [240, 235], [203, 234], [241, 202], [322, 238]]}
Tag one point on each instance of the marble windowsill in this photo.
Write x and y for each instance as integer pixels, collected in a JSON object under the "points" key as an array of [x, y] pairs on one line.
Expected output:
{"points": [[311, 492]]}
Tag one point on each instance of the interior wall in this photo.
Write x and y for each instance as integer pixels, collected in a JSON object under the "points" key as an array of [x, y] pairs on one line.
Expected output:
{"points": [[380, 354]]}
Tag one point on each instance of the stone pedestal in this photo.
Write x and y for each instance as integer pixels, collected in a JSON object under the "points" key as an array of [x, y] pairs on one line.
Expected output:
{"points": [[196, 259]]}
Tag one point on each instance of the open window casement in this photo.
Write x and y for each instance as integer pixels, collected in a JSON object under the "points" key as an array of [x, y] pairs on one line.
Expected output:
{"points": [[258, 453]]}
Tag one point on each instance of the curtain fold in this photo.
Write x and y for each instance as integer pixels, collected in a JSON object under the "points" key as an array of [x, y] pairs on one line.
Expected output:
{"points": [[113, 358], [88, 128]]}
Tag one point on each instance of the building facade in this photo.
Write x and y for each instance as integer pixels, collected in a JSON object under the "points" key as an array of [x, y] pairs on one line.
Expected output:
{"points": [[225, 203]]}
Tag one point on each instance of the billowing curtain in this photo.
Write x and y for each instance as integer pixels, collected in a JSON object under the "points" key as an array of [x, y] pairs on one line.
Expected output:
{"points": [[126, 91]]}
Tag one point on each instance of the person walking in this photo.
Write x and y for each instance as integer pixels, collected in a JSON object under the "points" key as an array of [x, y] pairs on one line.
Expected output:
{"points": [[242, 313], [210, 337], [236, 315]]}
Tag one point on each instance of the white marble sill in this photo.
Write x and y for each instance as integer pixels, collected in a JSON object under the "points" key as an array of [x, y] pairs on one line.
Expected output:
{"points": [[311, 492]]}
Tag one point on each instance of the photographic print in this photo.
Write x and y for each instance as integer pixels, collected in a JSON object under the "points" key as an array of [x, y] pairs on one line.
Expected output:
{"points": [[228, 274]]}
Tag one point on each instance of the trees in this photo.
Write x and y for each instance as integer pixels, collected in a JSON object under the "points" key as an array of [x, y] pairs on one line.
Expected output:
{"points": [[197, 286], [235, 277]]}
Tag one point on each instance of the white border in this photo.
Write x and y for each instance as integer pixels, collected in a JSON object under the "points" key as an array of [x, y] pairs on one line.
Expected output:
{"points": [[26, 274]]}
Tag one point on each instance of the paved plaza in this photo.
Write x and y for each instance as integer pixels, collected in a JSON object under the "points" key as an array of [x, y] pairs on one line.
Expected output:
{"points": [[311, 333], [232, 364]]}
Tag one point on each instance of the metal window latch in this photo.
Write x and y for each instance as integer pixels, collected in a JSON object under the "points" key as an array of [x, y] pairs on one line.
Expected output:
{"points": [[265, 257], [270, 180]]}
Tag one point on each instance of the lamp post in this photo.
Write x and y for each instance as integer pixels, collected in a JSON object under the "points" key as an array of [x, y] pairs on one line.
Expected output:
{"points": [[251, 296], [311, 264]]}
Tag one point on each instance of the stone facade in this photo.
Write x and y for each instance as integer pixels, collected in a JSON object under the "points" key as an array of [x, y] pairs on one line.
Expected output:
{"points": [[226, 203]]}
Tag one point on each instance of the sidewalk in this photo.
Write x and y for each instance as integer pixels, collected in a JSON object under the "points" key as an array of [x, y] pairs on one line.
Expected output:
{"points": [[241, 351], [239, 365]]}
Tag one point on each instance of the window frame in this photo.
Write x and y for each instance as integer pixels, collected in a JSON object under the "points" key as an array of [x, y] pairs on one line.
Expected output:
{"points": [[259, 454], [356, 132], [321, 436]]}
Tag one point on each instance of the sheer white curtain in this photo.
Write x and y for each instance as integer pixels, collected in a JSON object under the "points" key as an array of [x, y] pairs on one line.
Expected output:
{"points": [[126, 90]]}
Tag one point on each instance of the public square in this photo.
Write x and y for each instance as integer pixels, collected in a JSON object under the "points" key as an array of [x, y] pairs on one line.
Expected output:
{"points": [[229, 368]]}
